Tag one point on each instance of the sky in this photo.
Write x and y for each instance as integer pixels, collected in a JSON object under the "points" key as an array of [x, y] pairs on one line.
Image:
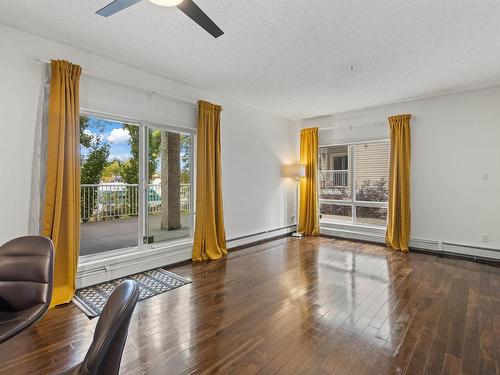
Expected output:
{"points": [[113, 133]]}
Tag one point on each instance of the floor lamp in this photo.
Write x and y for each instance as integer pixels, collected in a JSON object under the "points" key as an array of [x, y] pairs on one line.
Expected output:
{"points": [[297, 171]]}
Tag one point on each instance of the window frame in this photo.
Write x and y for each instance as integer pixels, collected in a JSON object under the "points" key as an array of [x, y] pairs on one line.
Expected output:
{"points": [[352, 202], [144, 126]]}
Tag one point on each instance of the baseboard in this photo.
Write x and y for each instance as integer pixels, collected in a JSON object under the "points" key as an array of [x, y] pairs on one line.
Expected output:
{"points": [[377, 235], [430, 245], [367, 234], [472, 252], [92, 273], [258, 242], [105, 267], [255, 238], [446, 254]]}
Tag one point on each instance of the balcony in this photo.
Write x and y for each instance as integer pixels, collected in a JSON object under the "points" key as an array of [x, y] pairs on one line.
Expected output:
{"points": [[110, 216], [334, 184]]}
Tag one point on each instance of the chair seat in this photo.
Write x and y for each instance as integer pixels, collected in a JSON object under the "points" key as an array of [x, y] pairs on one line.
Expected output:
{"points": [[12, 322]]}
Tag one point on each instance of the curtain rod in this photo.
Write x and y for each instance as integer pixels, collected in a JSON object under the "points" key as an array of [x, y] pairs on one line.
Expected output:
{"points": [[361, 125], [374, 123], [150, 93]]}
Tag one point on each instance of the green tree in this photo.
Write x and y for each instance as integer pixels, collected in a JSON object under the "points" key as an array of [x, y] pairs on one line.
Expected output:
{"points": [[92, 163], [186, 158], [153, 152], [94, 159], [131, 166], [113, 169], [85, 138]]}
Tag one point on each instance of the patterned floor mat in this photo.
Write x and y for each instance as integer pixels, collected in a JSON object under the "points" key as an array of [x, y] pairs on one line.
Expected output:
{"points": [[91, 300]]}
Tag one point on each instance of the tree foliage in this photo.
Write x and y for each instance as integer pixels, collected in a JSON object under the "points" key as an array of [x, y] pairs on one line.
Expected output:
{"points": [[367, 192], [186, 158], [92, 163], [112, 170], [130, 167], [94, 160], [85, 138], [376, 192]]}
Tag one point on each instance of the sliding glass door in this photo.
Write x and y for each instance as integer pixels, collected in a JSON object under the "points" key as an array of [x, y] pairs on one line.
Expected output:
{"points": [[109, 194], [135, 185]]}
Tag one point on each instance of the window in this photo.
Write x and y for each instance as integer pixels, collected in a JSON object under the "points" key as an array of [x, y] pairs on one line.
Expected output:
{"points": [[135, 184], [353, 182], [340, 162]]}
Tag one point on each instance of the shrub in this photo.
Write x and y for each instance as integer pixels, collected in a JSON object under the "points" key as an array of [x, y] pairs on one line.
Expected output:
{"points": [[367, 192]]}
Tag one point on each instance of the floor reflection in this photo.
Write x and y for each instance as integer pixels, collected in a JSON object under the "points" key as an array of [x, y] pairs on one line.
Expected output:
{"points": [[316, 305]]}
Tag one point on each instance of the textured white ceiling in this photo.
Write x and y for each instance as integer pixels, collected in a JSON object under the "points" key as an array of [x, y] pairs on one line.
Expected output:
{"points": [[290, 57]]}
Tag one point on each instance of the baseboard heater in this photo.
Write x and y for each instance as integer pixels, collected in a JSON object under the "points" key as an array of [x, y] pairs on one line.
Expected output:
{"points": [[472, 246], [450, 249], [261, 233]]}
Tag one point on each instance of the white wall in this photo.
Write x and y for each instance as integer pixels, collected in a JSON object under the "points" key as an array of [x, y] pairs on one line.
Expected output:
{"points": [[254, 144], [455, 139]]}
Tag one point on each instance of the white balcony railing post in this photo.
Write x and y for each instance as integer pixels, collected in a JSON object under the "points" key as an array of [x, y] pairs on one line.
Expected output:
{"points": [[110, 201], [329, 179]]}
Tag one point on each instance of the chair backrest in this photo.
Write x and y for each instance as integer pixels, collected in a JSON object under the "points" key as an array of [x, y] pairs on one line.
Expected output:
{"points": [[105, 352], [26, 273]]}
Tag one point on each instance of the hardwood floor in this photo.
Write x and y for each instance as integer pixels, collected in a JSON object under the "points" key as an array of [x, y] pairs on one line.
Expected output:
{"points": [[311, 306]]}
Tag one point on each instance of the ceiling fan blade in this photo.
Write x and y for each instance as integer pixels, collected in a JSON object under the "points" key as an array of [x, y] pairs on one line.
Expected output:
{"points": [[115, 7], [197, 15]]}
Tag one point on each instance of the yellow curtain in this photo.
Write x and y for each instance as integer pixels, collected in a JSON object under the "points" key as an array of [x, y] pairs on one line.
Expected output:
{"points": [[209, 233], [308, 211], [398, 225], [61, 217]]}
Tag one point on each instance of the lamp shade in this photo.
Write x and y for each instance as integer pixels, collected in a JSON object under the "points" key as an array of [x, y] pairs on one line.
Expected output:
{"points": [[294, 170]]}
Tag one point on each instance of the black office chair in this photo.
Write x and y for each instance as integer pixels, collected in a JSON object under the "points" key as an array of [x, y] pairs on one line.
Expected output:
{"points": [[105, 352], [26, 273]]}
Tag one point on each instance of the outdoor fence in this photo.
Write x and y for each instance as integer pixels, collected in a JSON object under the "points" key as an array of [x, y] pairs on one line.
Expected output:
{"points": [[113, 201], [333, 178]]}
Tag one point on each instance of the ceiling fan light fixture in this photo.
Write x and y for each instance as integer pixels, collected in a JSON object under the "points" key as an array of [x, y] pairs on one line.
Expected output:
{"points": [[166, 3], [188, 7]]}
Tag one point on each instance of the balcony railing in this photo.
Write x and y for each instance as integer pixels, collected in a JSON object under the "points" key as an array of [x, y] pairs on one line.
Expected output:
{"points": [[329, 179], [113, 201]]}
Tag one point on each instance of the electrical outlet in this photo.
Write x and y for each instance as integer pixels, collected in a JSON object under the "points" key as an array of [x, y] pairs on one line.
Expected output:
{"points": [[292, 218], [485, 237]]}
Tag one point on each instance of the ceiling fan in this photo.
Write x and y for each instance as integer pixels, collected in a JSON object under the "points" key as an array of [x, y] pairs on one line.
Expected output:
{"points": [[188, 7]]}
